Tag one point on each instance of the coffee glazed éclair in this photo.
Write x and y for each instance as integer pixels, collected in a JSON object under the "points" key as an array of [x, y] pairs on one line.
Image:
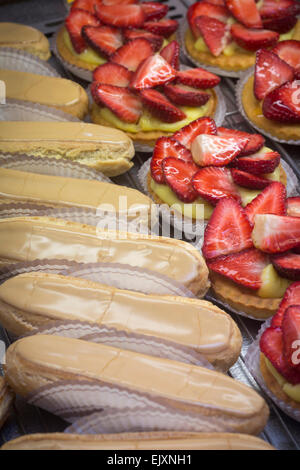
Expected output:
{"points": [[195, 324], [24, 38], [38, 360]]}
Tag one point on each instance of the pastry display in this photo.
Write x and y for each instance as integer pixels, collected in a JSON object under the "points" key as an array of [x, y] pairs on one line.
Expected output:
{"points": [[146, 94], [226, 34], [271, 96], [58, 93], [6, 400], [30, 238], [24, 38], [105, 149], [202, 164], [193, 323], [93, 31], [138, 441], [34, 361]]}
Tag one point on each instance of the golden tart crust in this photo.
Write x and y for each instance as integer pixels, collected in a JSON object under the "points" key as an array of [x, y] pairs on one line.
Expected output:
{"points": [[67, 55], [253, 109], [237, 62]]}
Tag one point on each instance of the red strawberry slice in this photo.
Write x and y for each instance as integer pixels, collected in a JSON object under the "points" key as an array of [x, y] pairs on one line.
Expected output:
{"points": [[291, 297], [213, 184], [246, 12], [120, 15], [218, 12], [259, 163], [271, 345], [278, 8], [281, 25], [253, 39], [185, 96], [275, 233], [171, 53], [119, 100], [215, 33], [155, 40], [239, 137], [244, 268], [270, 73], [228, 230], [165, 27], [287, 265], [291, 336], [87, 5], [154, 10], [167, 147], [112, 74], [289, 51], [270, 201], [116, 2], [214, 150], [248, 180], [160, 106], [132, 54], [283, 103], [74, 23], [217, 2], [178, 175], [104, 39], [293, 206], [255, 143], [154, 71], [203, 125], [198, 78]]}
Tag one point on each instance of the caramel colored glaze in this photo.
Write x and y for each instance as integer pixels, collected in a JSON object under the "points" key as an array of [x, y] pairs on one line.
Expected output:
{"points": [[136, 441], [25, 38]]}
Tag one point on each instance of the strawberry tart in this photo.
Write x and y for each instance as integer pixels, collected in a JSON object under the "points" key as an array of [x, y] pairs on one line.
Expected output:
{"points": [[95, 29], [226, 33], [270, 97]]}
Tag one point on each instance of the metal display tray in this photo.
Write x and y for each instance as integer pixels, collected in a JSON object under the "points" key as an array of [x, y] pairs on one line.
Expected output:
{"points": [[281, 431]]}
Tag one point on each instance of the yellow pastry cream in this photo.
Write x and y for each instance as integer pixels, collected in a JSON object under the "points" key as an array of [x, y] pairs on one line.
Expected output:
{"points": [[88, 55], [292, 391], [273, 286]]}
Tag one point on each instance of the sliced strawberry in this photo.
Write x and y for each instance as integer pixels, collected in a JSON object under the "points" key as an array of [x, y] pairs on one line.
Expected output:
{"points": [[275, 233], [160, 106], [291, 336], [198, 78], [217, 2], [185, 96], [281, 25], [87, 5], [239, 137], [270, 201], [152, 72], [293, 206], [214, 150], [270, 73], [117, 2], [259, 163], [120, 101], [255, 143], [291, 297], [132, 54], [104, 39], [120, 15], [283, 103], [165, 27], [248, 180], [287, 265], [154, 10], [74, 23], [218, 12], [178, 175], [213, 184], [167, 147], [203, 125], [244, 268], [278, 8], [171, 53], [215, 33], [271, 345], [289, 51], [154, 39], [228, 230], [246, 12], [112, 74], [253, 39]]}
